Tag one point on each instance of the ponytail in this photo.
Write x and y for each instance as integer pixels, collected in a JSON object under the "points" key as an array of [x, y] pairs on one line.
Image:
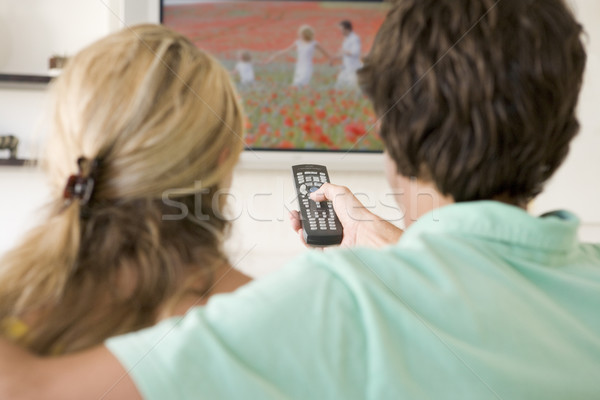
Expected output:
{"points": [[33, 275]]}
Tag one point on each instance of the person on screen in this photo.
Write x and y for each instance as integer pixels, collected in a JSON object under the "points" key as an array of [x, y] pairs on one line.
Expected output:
{"points": [[350, 54], [305, 48], [244, 68], [150, 152], [477, 299]]}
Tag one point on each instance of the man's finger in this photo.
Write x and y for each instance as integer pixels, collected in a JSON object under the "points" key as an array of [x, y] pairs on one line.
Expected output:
{"points": [[295, 220], [328, 191]]}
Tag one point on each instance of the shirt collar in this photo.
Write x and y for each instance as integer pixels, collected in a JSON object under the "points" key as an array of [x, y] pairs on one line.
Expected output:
{"points": [[495, 221]]}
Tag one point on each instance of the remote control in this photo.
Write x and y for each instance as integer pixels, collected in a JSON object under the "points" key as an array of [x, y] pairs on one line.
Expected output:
{"points": [[320, 225]]}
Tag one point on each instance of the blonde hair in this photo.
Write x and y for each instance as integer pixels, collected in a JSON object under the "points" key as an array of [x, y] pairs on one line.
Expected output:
{"points": [[306, 32], [164, 120]]}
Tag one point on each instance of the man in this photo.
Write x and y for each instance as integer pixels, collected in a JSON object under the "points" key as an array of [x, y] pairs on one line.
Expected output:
{"points": [[350, 55], [476, 300]]}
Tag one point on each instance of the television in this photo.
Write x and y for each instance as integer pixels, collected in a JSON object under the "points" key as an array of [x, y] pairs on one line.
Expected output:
{"points": [[294, 63]]}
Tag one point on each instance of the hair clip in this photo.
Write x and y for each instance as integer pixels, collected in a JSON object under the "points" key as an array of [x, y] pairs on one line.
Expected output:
{"points": [[79, 186]]}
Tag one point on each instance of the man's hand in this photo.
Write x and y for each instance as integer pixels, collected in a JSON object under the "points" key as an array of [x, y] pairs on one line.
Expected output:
{"points": [[361, 227]]}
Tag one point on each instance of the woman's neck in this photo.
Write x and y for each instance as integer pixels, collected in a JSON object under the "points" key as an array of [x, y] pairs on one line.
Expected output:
{"points": [[225, 279]]}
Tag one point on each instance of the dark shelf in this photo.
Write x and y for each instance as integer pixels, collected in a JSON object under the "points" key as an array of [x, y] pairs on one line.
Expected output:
{"points": [[17, 78], [15, 162]]}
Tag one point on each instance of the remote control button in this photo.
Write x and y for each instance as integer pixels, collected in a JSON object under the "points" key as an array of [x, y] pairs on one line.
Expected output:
{"points": [[303, 189], [313, 189]]}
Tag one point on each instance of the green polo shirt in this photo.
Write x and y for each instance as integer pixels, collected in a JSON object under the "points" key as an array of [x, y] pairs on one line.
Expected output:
{"points": [[476, 301]]}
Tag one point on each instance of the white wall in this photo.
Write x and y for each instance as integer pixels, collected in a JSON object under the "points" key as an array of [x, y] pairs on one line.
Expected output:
{"points": [[29, 33], [262, 239]]}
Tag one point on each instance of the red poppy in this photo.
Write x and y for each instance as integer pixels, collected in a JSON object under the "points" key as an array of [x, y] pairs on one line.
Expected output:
{"points": [[286, 144], [321, 114], [288, 122], [351, 138], [263, 127], [307, 128], [354, 131], [327, 140]]}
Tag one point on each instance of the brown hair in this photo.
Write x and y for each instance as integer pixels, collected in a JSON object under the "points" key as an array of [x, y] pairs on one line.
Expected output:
{"points": [[164, 119], [477, 96]]}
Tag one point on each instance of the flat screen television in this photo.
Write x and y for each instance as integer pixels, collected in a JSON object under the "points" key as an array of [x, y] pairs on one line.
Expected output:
{"points": [[294, 65]]}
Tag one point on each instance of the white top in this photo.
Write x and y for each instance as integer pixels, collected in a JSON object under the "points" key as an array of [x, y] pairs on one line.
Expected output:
{"points": [[304, 62], [246, 72], [351, 52]]}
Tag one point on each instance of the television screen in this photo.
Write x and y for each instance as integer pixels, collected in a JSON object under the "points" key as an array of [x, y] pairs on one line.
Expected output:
{"points": [[294, 63]]}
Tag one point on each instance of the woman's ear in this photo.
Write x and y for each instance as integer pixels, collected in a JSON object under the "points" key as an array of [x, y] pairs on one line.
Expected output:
{"points": [[225, 153]]}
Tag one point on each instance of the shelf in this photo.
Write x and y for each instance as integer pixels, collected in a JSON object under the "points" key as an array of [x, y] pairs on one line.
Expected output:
{"points": [[15, 162], [20, 81], [25, 78]]}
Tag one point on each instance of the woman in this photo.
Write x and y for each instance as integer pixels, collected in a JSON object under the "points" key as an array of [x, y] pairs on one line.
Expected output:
{"points": [[131, 236], [305, 48]]}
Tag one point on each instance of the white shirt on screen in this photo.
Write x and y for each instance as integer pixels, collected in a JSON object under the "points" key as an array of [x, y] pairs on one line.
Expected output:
{"points": [[304, 62], [246, 71], [351, 52]]}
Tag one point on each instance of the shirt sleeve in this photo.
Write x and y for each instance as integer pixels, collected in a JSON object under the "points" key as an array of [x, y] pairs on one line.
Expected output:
{"points": [[288, 335]]}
